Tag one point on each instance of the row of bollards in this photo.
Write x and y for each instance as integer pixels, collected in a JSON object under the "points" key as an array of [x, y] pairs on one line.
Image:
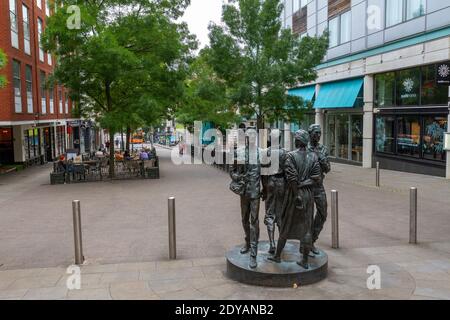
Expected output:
{"points": [[79, 257]]}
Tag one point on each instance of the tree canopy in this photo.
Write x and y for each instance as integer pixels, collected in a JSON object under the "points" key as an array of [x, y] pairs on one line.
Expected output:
{"points": [[126, 63], [206, 97], [259, 60]]}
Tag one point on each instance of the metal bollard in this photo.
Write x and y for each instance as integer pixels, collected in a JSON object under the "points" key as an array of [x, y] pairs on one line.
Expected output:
{"points": [[172, 230], [413, 216], [334, 220], [378, 175], [79, 258]]}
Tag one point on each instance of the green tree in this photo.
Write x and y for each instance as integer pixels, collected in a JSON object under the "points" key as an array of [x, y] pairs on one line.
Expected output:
{"points": [[259, 60], [123, 65], [205, 98], [3, 61]]}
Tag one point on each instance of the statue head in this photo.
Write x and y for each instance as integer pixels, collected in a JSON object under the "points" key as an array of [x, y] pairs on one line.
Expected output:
{"points": [[315, 133], [301, 138]]}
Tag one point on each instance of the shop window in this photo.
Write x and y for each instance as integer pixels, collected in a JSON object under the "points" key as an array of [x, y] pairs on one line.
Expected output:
{"points": [[432, 94], [433, 139], [385, 89], [408, 136], [408, 87], [357, 137], [385, 130], [331, 135], [342, 126]]}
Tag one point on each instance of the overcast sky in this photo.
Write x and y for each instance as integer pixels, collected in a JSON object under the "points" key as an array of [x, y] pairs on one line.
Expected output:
{"points": [[199, 14]]}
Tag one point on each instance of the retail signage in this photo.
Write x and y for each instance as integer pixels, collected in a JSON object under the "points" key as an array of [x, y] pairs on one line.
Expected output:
{"points": [[447, 141], [443, 74]]}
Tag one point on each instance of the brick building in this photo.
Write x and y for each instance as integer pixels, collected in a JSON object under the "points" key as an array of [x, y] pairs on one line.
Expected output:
{"points": [[36, 125]]}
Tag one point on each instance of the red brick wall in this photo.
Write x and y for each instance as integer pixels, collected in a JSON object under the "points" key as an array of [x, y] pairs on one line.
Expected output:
{"points": [[7, 112]]}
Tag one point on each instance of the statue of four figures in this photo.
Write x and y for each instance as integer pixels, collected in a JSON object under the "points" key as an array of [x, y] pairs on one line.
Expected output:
{"points": [[290, 192]]}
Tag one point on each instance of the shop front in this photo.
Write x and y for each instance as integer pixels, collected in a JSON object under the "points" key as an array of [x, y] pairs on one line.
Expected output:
{"points": [[6, 145], [308, 116], [411, 121], [339, 104]]}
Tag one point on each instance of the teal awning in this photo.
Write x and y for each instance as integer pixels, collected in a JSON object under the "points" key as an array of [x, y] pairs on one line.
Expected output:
{"points": [[339, 94], [306, 93]]}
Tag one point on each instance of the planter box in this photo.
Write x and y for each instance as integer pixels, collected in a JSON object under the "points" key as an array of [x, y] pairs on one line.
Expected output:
{"points": [[57, 178], [152, 173]]}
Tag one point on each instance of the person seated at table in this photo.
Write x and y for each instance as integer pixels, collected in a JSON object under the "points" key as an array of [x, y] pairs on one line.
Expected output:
{"points": [[143, 155], [61, 165], [99, 153], [126, 155], [78, 159], [118, 156]]}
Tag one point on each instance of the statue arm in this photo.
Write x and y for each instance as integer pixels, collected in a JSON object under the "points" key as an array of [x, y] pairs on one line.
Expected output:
{"points": [[291, 172], [324, 160]]}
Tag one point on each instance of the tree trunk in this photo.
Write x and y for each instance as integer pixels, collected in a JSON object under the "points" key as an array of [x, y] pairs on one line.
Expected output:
{"points": [[111, 130], [111, 153], [122, 146], [128, 138], [260, 122]]}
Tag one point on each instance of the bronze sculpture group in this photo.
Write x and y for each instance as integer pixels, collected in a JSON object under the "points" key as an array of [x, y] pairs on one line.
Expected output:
{"points": [[290, 193]]}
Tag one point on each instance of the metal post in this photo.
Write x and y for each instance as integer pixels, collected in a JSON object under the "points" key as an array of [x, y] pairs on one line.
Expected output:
{"points": [[413, 216], [334, 220], [172, 230], [79, 258], [378, 174]]}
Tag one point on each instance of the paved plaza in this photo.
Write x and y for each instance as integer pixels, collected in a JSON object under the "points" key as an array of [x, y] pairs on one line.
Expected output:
{"points": [[126, 242]]}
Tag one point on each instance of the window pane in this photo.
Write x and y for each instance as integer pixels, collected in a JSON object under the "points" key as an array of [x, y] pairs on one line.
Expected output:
{"points": [[333, 26], [408, 87], [357, 137], [384, 140], [408, 137], [331, 135], [385, 89], [415, 8], [433, 140], [394, 12], [29, 82], [17, 87], [345, 27], [303, 3], [342, 125], [432, 94]]}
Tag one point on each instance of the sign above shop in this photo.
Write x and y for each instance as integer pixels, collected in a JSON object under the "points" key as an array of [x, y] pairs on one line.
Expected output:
{"points": [[443, 74]]}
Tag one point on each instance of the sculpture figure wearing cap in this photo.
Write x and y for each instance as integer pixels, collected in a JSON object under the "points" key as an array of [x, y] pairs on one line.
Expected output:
{"points": [[320, 196], [302, 171]]}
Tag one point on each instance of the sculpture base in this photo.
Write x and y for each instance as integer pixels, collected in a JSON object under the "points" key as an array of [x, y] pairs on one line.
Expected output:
{"points": [[287, 273]]}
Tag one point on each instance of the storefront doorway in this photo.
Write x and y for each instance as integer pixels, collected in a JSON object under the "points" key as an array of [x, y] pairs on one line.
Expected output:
{"points": [[48, 143], [344, 136], [6, 146]]}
